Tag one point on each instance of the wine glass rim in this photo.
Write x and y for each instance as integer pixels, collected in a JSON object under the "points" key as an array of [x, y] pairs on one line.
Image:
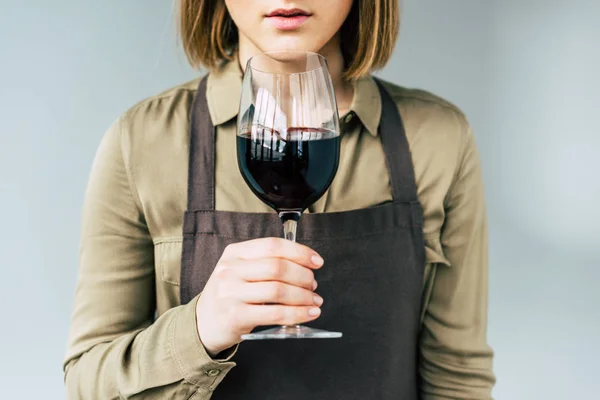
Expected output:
{"points": [[310, 53]]}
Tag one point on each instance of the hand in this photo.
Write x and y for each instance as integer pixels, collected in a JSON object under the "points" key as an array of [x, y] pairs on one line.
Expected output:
{"points": [[256, 283]]}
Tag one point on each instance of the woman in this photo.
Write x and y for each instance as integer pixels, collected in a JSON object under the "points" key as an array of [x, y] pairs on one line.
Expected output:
{"points": [[400, 267]]}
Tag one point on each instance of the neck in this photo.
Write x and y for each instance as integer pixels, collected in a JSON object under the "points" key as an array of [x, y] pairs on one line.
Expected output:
{"points": [[335, 61], [331, 51]]}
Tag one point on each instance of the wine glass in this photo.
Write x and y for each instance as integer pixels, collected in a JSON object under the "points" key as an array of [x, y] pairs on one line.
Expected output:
{"points": [[288, 144]]}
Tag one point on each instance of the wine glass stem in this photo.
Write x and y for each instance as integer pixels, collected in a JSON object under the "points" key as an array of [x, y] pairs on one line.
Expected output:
{"points": [[289, 230], [289, 219]]}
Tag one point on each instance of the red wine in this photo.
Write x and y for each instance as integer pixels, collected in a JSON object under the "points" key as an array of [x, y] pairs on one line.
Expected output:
{"points": [[291, 173]]}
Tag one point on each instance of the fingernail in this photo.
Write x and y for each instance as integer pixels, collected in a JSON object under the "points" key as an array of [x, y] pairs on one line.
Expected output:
{"points": [[317, 260], [318, 300], [314, 312], [315, 284]]}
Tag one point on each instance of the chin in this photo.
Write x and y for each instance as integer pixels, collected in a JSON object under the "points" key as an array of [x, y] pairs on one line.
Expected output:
{"points": [[291, 44]]}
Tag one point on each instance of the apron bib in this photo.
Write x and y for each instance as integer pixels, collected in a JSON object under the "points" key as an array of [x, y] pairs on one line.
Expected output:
{"points": [[371, 282]]}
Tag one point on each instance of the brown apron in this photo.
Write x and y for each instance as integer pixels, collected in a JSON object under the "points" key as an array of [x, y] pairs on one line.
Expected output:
{"points": [[371, 281]]}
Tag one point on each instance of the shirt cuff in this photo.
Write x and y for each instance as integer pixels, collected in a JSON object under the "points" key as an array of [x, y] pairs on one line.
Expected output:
{"points": [[194, 362]]}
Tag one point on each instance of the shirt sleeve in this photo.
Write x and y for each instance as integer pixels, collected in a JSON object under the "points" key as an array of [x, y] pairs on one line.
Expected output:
{"points": [[456, 361], [116, 348]]}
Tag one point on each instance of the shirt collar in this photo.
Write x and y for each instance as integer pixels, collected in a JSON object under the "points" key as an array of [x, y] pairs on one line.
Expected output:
{"points": [[224, 88], [223, 92], [366, 103]]}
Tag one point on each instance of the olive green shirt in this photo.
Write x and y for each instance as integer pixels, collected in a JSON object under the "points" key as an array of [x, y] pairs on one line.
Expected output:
{"points": [[129, 335]]}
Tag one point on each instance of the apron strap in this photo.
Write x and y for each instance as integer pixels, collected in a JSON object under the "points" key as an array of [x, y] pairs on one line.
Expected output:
{"points": [[396, 148], [201, 173]]}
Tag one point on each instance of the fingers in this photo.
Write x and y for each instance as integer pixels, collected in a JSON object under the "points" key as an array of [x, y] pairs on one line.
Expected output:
{"points": [[276, 269], [274, 248], [277, 293], [262, 315]]}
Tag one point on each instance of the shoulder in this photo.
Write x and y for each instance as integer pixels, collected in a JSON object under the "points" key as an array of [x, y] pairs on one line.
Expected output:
{"points": [[154, 138], [440, 138], [430, 120], [424, 104], [158, 122], [171, 100]]}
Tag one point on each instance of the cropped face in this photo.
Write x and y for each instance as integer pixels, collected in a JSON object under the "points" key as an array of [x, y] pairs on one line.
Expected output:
{"points": [[274, 25]]}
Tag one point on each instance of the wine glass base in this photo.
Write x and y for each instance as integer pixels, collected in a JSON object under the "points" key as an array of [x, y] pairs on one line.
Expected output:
{"points": [[292, 332]]}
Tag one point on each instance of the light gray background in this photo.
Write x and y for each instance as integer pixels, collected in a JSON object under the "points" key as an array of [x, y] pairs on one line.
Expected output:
{"points": [[525, 72]]}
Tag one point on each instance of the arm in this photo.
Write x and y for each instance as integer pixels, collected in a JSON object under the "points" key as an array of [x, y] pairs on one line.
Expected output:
{"points": [[116, 349], [456, 362]]}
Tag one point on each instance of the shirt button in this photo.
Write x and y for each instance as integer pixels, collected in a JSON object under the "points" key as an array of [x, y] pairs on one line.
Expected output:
{"points": [[348, 118], [213, 372]]}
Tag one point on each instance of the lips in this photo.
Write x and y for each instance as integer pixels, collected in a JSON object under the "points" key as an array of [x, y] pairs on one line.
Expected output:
{"points": [[287, 20], [294, 12]]}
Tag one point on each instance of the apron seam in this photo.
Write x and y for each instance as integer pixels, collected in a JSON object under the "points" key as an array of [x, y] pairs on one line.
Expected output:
{"points": [[322, 238]]}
